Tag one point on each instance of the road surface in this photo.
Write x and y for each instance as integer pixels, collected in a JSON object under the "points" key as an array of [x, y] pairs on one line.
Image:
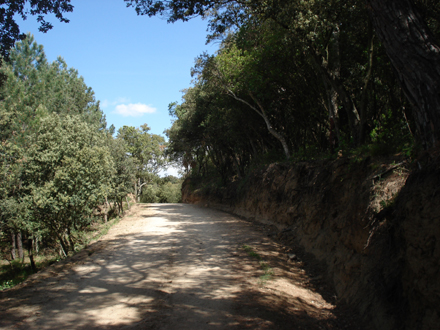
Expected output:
{"points": [[173, 266]]}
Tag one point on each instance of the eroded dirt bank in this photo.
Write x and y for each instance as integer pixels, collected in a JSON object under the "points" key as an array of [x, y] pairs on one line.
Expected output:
{"points": [[374, 224], [176, 266]]}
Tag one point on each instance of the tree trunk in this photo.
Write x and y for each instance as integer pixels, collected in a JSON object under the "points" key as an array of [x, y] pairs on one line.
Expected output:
{"points": [[333, 115], [363, 106], [334, 66], [269, 126], [31, 254], [106, 207], [415, 56], [135, 192], [70, 239], [14, 246], [36, 244], [20, 246], [344, 96], [120, 206], [138, 192], [237, 166], [63, 250]]}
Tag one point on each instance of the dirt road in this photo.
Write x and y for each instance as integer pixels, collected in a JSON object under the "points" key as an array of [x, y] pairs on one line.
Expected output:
{"points": [[173, 266]]}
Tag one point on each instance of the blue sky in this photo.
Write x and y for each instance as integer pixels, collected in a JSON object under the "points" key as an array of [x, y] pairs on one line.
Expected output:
{"points": [[136, 65]]}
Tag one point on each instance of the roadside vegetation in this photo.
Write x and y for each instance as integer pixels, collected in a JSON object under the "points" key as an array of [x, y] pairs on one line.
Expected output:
{"points": [[13, 272], [64, 174], [268, 271], [163, 190], [291, 81]]}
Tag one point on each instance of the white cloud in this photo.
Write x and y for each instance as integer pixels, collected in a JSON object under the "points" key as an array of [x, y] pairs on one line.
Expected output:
{"points": [[134, 110], [106, 103]]}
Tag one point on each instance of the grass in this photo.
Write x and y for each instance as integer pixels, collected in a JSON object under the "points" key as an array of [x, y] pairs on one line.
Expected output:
{"points": [[15, 272], [103, 230], [251, 252], [268, 271]]}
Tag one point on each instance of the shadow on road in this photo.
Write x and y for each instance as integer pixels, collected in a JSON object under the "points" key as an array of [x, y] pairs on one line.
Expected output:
{"points": [[173, 266]]}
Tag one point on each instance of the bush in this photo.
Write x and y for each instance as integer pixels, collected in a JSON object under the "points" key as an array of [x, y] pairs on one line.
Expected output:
{"points": [[165, 191]]}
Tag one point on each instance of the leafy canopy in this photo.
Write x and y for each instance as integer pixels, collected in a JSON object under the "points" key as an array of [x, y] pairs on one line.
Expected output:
{"points": [[9, 29]]}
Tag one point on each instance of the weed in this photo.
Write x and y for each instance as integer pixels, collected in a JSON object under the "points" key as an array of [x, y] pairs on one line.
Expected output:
{"points": [[14, 274], [268, 271], [17, 271], [388, 203], [251, 252], [103, 230]]}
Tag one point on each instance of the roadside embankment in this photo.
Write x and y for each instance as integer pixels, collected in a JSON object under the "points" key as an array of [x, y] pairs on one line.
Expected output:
{"points": [[374, 223]]}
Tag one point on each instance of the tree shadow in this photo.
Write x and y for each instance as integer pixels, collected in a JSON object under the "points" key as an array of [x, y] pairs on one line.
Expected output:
{"points": [[184, 272]]}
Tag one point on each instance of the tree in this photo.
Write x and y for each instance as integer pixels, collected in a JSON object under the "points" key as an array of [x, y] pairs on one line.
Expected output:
{"points": [[415, 55], [147, 150], [316, 29], [124, 177], [232, 70], [66, 174], [34, 92], [410, 45], [35, 87], [9, 29]]}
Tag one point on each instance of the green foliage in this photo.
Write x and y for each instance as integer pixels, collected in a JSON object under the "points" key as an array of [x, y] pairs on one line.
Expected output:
{"points": [[170, 193], [268, 271], [163, 190], [389, 135], [66, 174], [59, 164], [16, 271], [250, 251], [146, 151], [309, 74], [35, 88], [125, 166], [9, 30], [55, 166], [150, 194], [95, 233], [13, 274]]}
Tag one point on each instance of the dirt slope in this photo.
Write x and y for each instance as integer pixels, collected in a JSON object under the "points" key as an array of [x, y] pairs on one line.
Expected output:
{"points": [[373, 222], [175, 266]]}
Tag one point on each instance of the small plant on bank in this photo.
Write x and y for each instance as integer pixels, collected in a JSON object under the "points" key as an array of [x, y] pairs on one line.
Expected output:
{"points": [[268, 271], [17, 271]]}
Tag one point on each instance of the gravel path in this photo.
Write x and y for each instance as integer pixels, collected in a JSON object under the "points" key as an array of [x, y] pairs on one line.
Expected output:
{"points": [[171, 266]]}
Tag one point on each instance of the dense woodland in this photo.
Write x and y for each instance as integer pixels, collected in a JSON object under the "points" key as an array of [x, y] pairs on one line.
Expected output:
{"points": [[61, 168], [292, 79], [304, 79]]}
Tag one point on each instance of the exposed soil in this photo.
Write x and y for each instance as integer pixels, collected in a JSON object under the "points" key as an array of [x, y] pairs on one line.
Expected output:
{"points": [[177, 266], [373, 222]]}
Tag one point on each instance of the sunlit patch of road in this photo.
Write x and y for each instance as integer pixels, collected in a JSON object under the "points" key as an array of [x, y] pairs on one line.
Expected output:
{"points": [[171, 266]]}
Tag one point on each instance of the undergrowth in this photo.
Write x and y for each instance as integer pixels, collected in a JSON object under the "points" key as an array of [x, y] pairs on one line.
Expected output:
{"points": [[268, 271], [17, 271]]}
